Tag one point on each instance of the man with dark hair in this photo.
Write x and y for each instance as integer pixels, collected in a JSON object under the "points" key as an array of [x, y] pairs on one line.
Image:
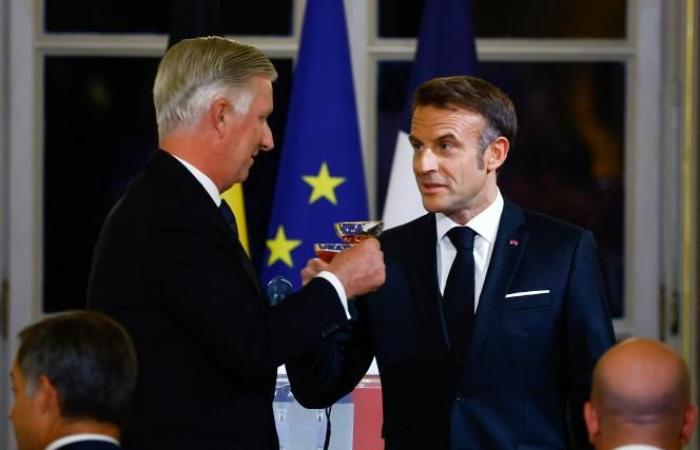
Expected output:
{"points": [[640, 399], [169, 266], [491, 318], [72, 381]]}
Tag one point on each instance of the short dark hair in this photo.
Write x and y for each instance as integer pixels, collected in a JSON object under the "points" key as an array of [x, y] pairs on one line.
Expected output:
{"points": [[476, 95], [89, 359]]}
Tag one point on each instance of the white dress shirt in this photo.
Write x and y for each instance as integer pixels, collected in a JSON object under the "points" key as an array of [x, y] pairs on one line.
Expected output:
{"points": [[638, 447], [58, 443], [485, 224], [213, 192]]}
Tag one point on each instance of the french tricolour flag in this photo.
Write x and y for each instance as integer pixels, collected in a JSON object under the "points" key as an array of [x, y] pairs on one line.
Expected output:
{"points": [[445, 48]]}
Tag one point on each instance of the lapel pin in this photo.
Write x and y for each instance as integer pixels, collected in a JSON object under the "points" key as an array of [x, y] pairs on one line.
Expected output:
{"points": [[513, 242]]}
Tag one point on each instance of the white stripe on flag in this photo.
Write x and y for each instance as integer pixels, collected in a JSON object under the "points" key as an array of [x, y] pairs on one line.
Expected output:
{"points": [[373, 369], [403, 201]]}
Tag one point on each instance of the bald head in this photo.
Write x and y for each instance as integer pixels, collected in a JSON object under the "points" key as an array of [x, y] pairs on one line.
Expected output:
{"points": [[641, 388], [641, 381]]}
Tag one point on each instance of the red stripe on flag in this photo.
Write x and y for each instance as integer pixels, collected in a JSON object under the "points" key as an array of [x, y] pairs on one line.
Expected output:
{"points": [[367, 429]]}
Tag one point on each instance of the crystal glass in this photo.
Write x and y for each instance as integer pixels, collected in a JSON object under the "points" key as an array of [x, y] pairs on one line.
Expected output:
{"points": [[354, 232], [327, 251]]}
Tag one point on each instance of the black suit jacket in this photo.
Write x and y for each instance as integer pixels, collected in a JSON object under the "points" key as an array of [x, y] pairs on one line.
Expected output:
{"points": [[529, 361], [167, 267], [90, 445]]}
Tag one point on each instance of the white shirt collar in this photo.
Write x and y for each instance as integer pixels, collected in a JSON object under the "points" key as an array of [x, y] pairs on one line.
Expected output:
{"points": [[204, 180], [58, 443], [637, 447], [485, 223]]}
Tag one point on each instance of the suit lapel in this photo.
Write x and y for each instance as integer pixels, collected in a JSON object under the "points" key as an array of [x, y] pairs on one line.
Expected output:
{"points": [[200, 199], [248, 268], [425, 256], [510, 244], [423, 275]]}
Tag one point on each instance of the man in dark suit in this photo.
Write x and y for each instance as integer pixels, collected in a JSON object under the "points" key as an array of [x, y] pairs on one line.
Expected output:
{"points": [[72, 381], [169, 266], [491, 317], [640, 399]]}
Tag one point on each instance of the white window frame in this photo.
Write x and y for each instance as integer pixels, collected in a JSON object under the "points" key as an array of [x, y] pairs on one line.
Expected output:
{"points": [[4, 258]]}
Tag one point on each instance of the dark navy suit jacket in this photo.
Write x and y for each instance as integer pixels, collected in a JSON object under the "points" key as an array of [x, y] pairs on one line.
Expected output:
{"points": [[167, 267], [522, 381], [90, 445]]}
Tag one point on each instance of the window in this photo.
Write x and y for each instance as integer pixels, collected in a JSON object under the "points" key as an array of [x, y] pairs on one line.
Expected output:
{"points": [[154, 16], [518, 19], [99, 126], [99, 132]]}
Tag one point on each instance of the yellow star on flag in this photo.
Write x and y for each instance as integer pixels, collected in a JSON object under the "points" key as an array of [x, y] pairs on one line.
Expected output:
{"points": [[323, 185], [281, 248]]}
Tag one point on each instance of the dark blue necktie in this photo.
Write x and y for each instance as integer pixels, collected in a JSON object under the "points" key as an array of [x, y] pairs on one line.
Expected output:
{"points": [[228, 216], [459, 291]]}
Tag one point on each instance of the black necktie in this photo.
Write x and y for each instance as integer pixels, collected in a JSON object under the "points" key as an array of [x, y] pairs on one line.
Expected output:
{"points": [[459, 290], [230, 219]]}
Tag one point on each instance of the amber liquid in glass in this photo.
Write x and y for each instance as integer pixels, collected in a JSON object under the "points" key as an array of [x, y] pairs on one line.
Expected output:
{"points": [[326, 255]]}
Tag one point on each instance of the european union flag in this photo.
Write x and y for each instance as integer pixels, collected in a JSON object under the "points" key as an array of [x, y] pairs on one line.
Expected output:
{"points": [[320, 179], [445, 48]]}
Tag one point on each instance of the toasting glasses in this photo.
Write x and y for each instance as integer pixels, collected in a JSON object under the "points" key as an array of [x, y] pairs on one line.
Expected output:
{"points": [[351, 233]]}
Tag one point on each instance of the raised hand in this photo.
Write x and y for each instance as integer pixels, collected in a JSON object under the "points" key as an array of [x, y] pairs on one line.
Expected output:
{"points": [[360, 268]]}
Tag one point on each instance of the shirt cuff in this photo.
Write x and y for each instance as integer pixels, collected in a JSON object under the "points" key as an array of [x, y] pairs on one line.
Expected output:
{"points": [[339, 289]]}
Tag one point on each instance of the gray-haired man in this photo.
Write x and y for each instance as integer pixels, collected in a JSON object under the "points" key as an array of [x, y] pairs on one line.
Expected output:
{"points": [[168, 264]]}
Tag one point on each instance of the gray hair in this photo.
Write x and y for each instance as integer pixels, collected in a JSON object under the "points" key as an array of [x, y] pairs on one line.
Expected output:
{"points": [[195, 72], [88, 357]]}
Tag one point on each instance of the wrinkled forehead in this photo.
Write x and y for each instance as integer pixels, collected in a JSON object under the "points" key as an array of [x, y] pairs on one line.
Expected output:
{"points": [[430, 122]]}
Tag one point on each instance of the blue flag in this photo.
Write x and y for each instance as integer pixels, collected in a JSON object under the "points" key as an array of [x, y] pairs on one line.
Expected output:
{"points": [[320, 179], [445, 48]]}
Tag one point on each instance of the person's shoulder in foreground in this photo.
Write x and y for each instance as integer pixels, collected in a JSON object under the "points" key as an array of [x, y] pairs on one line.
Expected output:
{"points": [[72, 381], [640, 398]]}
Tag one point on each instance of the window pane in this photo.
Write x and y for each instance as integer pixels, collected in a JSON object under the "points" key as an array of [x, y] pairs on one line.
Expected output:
{"points": [[261, 17], [567, 160], [524, 19], [99, 131]]}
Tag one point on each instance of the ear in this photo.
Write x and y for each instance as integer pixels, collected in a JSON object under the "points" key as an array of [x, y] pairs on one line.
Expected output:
{"points": [[46, 396], [689, 420], [218, 115], [592, 425], [496, 153]]}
